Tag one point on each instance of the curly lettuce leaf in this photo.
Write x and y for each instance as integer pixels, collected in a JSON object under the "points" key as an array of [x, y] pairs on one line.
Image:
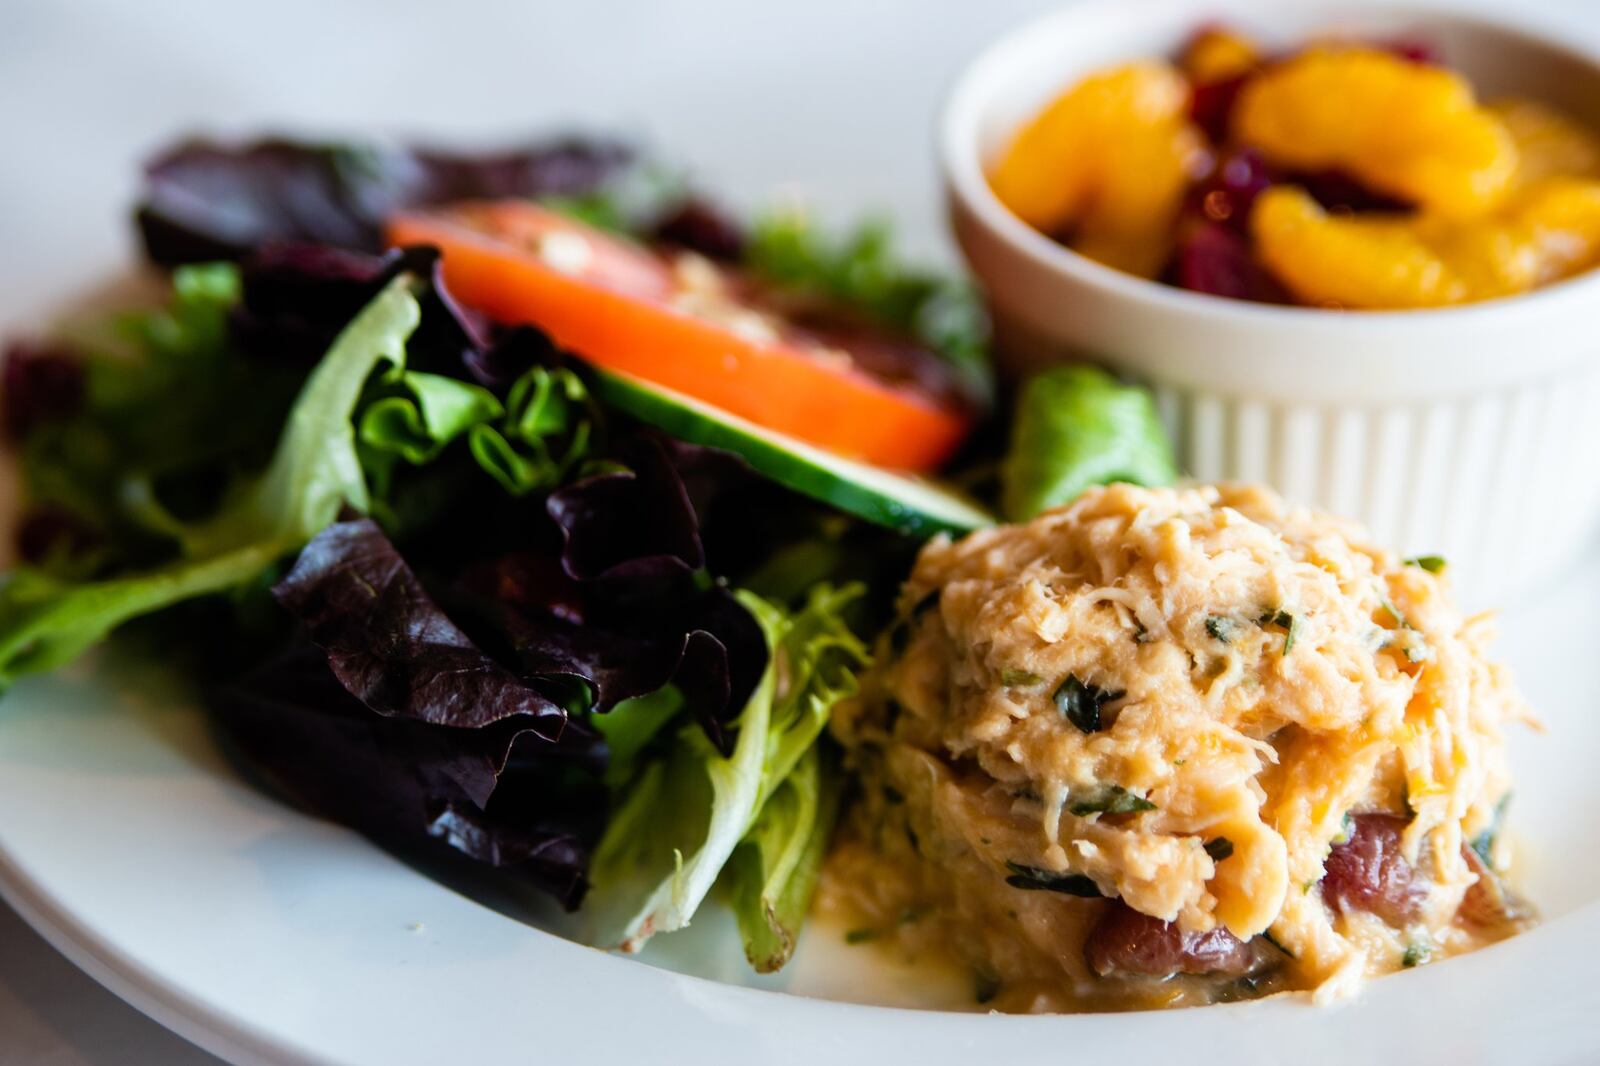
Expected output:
{"points": [[205, 200], [417, 423], [391, 646], [463, 711], [498, 795], [532, 441], [546, 433], [685, 812], [168, 411], [774, 870], [45, 621], [1077, 426]]}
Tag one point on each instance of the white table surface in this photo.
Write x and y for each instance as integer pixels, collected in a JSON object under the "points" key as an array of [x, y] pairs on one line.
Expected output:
{"points": [[829, 100]]}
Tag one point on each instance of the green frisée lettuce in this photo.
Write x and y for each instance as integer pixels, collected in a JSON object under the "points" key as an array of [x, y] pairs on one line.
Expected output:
{"points": [[859, 270], [1075, 427], [46, 621], [685, 812], [167, 406]]}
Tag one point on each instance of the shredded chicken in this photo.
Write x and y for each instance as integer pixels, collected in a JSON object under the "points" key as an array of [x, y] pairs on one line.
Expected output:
{"points": [[1173, 698]]}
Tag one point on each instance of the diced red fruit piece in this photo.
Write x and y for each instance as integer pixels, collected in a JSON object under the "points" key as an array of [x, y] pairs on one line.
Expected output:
{"points": [[40, 383], [1416, 49], [1340, 192], [1212, 258], [1127, 942], [1211, 105], [1227, 194], [1369, 873]]}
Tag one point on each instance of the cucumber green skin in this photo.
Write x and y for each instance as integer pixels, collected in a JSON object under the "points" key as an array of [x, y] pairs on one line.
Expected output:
{"points": [[790, 463]]}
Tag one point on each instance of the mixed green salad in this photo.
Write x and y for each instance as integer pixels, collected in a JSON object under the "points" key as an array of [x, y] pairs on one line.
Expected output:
{"points": [[524, 507]]}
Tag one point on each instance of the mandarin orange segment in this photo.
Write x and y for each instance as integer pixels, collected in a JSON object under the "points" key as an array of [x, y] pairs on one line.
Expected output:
{"points": [[1406, 129], [1105, 165], [1560, 219], [1549, 231], [1548, 143], [1217, 54], [1366, 263]]}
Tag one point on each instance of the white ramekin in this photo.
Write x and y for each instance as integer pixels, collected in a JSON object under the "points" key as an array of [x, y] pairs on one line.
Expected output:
{"points": [[1472, 432]]}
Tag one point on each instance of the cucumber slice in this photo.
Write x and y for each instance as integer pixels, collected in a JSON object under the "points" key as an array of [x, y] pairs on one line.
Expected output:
{"points": [[909, 505]]}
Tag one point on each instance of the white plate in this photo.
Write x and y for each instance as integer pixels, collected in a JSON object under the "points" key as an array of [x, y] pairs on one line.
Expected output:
{"points": [[269, 937]]}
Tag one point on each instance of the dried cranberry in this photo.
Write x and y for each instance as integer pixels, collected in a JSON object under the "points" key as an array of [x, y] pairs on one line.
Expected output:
{"points": [[1211, 105], [1128, 942], [1415, 50], [41, 383], [1341, 192], [1368, 872], [1228, 193], [1212, 258]]}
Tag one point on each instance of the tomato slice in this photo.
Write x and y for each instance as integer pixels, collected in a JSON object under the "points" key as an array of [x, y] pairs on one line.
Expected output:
{"points": [[684, 325]]}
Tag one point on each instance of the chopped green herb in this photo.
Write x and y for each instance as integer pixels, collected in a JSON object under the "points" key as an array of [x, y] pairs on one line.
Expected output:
{"points": [[1113, 799], [985, 987], [1418, 651], [1346, 827], [1179, 762], [1033, 878], [1014, 678], [1266, 934], [1483, 843], [1081, 702], [1416, 954], [1290, 623], [1219, 848], [861, 936], [914, 914], [1222, 628], [1431, 563], [1387, 605]]}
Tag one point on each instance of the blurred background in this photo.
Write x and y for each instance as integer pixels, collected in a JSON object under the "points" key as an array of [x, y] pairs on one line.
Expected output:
{"points": [[831, 102]]}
